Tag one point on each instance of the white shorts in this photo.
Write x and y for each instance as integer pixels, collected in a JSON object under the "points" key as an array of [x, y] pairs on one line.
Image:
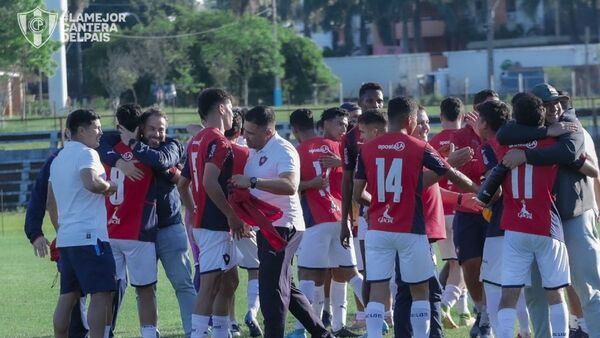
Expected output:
{"points": [[416, 262], [136, 260], [491, 261], [362, 228], [446, 246], [217, 250], [320, 248], [360, 265], [248, 251], [520, 249]]}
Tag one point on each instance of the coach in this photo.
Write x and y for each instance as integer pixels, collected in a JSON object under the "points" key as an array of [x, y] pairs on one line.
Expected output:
{"points": [[272, 174]]}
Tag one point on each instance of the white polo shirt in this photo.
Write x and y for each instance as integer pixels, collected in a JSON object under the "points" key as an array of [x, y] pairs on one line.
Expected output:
{"points": [[81, 213], [276, 157]]}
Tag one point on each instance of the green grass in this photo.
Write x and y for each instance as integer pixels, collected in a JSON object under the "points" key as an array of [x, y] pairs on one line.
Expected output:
{"points": [[28, 296]]}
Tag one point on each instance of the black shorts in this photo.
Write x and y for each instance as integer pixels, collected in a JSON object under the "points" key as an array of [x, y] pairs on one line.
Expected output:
{"points": [[87, 268], [469, 235]]}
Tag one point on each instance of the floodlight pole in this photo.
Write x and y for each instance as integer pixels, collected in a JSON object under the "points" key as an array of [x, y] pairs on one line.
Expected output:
{"points": [[57, 83], [277, 101]]}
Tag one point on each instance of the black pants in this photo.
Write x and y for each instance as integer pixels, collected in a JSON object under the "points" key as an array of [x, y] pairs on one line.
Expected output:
{"points": [[402, 327], [277, 293]]}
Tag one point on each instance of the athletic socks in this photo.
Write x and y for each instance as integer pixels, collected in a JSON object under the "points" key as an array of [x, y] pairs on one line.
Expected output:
{"points": [[148, 331], [319, 300], [573, 324], [106, 331], [493, 294], [451, 295], [199, 326], [482, 309], [326, 303], [559, 320], [522, 316], [356, 282], [360, 315], [462, 305], [506, 323], [420, 317], [308, 289], [220, 327], [582, 325], [338, 305], [253, 300], [374, 313]]}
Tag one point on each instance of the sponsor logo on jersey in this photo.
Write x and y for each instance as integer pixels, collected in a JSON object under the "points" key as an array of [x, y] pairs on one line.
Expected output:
{"points": [[386, 218], [398, 146], [114, 219], [128, 156], [211, 150], [524, 213], [529, 145], [322, 149]]}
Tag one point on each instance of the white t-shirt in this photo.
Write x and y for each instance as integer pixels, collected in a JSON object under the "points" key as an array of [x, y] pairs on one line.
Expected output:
{"points": [[590, 150], [81, 213], [276, 157]]}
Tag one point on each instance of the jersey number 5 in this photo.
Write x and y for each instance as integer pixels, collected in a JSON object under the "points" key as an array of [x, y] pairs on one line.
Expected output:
{"points": [[390, 182], [117, 176]]}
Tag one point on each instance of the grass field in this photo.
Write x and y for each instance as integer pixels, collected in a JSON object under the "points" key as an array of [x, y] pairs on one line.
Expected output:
{"points": [[29, 293]]}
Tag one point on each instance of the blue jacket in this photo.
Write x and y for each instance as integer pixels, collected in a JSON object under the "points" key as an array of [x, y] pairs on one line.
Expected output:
{"points": [[166, 156], [36, 209]]}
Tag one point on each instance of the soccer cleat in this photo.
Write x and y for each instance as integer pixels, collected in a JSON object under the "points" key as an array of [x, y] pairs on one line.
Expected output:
{"points": [[474, 332], [579, 333], [298, 333], [465, 319], [485, 331], [326, 319], [252, 324], [345, 332], [234, 330], [447, 320], [385, 328]]}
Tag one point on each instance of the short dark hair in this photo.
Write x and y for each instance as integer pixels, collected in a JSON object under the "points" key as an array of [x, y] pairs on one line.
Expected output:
{"points": [[401, 108], [81, 118], [350, 106], [302, 119], [332, 113], [128, 115], [482, 95], [451, 107], [261, 116], [529, 110], [369, 86], [373, 116], [153, 111], [494, 113], [236, 124], [208, 98], [516, 98]]}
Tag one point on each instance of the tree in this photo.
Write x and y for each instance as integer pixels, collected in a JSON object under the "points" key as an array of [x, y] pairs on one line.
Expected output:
{"points": [[235, 53], [304, 68], [117, 73]]}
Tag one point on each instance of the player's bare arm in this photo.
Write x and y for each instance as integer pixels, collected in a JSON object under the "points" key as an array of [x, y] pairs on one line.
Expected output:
{"points": [[318, 182], [331, 161], [461, 180], [185, 193], [96, 184], [40, 244], [284, 184], [129, 169], [359, 193], [210, 180], [589, 168]]}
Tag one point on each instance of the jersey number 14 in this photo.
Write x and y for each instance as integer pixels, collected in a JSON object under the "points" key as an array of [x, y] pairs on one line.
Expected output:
{"points": [[390, 182]]}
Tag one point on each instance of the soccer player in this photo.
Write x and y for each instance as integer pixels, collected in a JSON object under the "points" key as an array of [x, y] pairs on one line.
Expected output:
{"points": [[451, 115], [77, 188], [575, 203], [533, 231], [390, 166], [320, 200], [132, 224], [210, 165], [492, 116], [163, 154], [246, 245], [469, 228], [370, 96]]}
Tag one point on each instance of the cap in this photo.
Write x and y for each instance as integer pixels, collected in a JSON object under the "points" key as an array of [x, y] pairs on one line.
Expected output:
{"points": [[547, 93]]}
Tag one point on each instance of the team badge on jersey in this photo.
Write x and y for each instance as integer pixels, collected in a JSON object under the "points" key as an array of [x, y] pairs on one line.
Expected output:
{"points": [[128, 156], [262, 160]]}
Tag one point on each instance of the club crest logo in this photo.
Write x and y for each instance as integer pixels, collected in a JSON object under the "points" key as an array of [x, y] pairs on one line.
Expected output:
{"points": [[37, 25], [128, 156], [262, 160]]}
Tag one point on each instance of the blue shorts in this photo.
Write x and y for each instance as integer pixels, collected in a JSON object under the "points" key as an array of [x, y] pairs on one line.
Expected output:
{"points": [[87, 268], [469, 235]]}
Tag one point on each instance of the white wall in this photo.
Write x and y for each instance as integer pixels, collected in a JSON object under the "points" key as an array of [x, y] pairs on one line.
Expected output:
{"points": [[387, 70], [472, 64]]}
